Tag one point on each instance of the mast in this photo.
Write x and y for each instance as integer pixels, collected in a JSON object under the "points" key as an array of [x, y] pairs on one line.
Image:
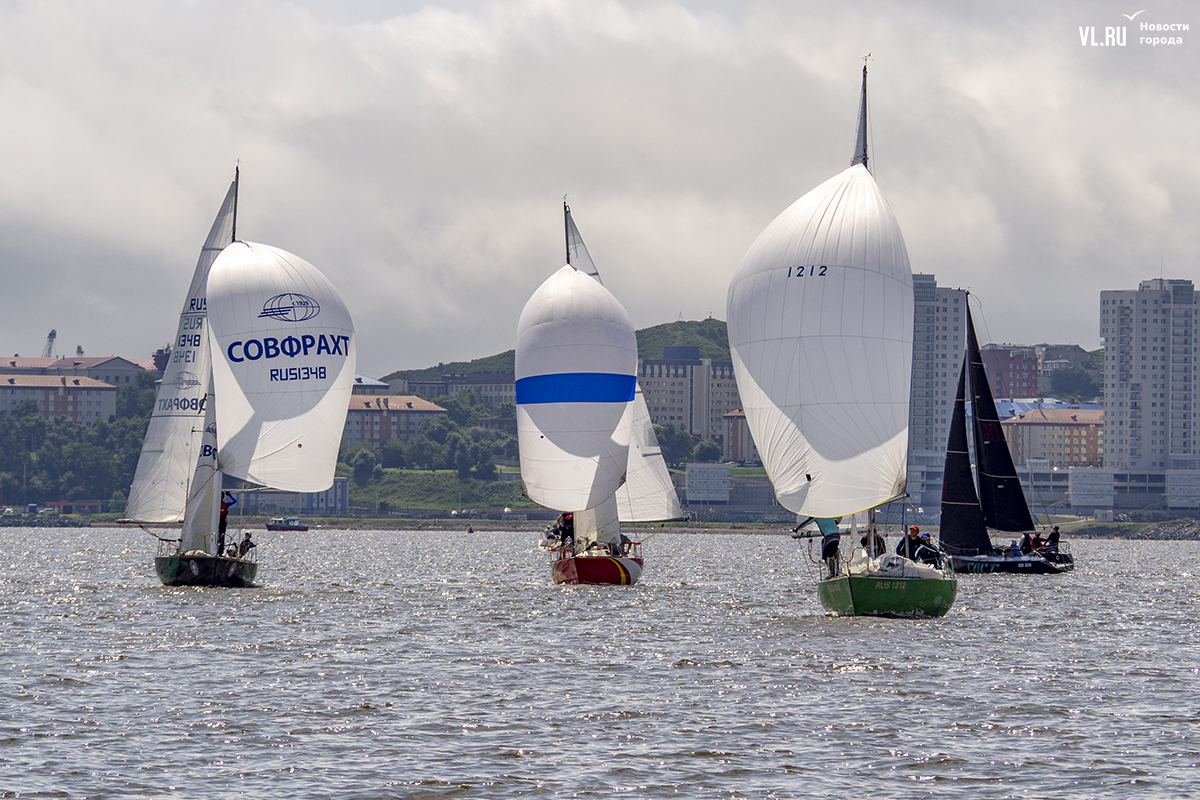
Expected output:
{"points": [[567, 228], [860, 146], [236, 174]]}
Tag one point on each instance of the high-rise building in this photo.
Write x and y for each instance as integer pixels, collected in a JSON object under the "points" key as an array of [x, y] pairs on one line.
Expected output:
{"points": [[1149, 376], [685, 389], [939, 340]]}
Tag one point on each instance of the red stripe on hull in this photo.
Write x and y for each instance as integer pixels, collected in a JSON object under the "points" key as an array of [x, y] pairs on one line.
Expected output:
{"points": [[598, 570]]}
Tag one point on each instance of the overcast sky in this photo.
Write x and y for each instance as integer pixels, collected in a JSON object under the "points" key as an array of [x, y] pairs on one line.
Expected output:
{"points": [[418, 154]]}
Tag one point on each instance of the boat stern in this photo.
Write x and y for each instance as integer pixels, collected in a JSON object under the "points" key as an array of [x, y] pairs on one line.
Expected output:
{"points": [[853, 595]]}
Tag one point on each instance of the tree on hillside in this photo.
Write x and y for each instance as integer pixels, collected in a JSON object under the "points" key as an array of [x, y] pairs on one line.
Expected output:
{"points": [[676, 442], [43, 460], [363, 459], [1074, 384], [392, 454], [708, 451], [422, 452], [465, 408]]}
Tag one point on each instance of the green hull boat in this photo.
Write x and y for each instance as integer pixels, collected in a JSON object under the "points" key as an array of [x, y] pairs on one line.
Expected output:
{"points": [[858, 595], [205, 570]]}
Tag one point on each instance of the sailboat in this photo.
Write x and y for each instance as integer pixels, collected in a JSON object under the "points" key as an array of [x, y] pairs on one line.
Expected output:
{"points": [[266, 333], [586, 446], [820, 316], [1000, 502]]}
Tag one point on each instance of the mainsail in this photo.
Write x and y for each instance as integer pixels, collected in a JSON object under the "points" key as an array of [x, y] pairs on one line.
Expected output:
{"points": [[283, 368], [820, 317], [1000, 502], [577, 252], [576, 359], [172, 446], [1000, 493], [648, 494], [962, 529]]}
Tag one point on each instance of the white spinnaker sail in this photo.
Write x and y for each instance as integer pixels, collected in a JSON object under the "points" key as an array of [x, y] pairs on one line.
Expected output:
{"points": [[283, 365], [820, 316], [172, 445], [648, 495], [576, 360]]}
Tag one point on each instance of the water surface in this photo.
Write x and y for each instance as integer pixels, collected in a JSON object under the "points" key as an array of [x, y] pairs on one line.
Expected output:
{"points": [[381, 664]]}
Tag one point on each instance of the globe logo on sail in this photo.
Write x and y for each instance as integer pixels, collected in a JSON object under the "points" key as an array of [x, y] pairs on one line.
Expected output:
{"points": [[186, 380], [291, 307]]}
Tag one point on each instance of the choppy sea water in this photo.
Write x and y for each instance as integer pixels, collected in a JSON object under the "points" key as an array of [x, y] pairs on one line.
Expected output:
{"points": [[443, 665]]}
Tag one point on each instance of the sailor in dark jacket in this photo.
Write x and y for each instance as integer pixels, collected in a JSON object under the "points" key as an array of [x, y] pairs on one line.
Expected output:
{"points": [[909, 545], [1052, 541], [927, 553]]}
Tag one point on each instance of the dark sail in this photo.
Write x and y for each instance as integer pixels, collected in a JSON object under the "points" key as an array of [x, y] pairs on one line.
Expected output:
{"points": [[1000, 493], [963, 531]]}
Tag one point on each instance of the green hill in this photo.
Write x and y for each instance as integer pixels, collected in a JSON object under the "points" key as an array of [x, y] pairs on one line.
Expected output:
{"points": [[709, 335], [501, 362]]}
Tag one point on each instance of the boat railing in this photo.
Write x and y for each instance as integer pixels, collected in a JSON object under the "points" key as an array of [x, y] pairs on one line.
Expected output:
{"points": [[167, 547], [629, 549]]}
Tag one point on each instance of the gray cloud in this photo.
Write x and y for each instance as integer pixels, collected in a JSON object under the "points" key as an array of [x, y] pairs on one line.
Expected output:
{"points": [[418, 155]]}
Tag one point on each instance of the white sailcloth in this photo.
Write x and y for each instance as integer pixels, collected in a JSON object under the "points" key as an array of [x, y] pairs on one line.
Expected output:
{"points": [[577, 252], [283, 367], [820, 316], [160, 489], [576, 360], [598, 524], [204, 494], [648, 495]]}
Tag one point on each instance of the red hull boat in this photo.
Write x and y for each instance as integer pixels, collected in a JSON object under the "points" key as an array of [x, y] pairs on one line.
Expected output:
{"points": [[613, 570]]}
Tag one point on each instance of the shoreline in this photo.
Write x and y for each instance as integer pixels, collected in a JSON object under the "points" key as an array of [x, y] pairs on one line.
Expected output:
{"points": [[1174, 530]]}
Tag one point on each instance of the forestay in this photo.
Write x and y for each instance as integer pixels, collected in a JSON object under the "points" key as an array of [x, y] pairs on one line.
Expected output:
{"points": [[576, 359], [820, 317], [283, 368], [173, 439]]}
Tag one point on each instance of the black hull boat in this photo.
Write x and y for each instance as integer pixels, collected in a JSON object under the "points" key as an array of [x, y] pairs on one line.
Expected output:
{"points": [[999, 503], [205, 570], [1031, 564]]}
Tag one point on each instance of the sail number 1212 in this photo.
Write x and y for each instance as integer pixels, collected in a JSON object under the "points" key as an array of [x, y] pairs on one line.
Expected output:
{"points": [[816, 271]]}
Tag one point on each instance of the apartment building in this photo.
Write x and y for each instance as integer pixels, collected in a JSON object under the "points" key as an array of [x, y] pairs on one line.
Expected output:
{"points": [[1012, 370], [1150, 377], [939, 340], [1056, 437], [81, 400], [685, 389], [112, 370], [380, 418], [739, 444], [495, 388]]}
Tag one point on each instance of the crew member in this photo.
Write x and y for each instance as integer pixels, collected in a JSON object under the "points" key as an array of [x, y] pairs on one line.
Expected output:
{"points": [[909, 545], [1052, 541], [927, 553], [246, 545], [1026, 544], [227, 500], [878, 544], [568, 532]]}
